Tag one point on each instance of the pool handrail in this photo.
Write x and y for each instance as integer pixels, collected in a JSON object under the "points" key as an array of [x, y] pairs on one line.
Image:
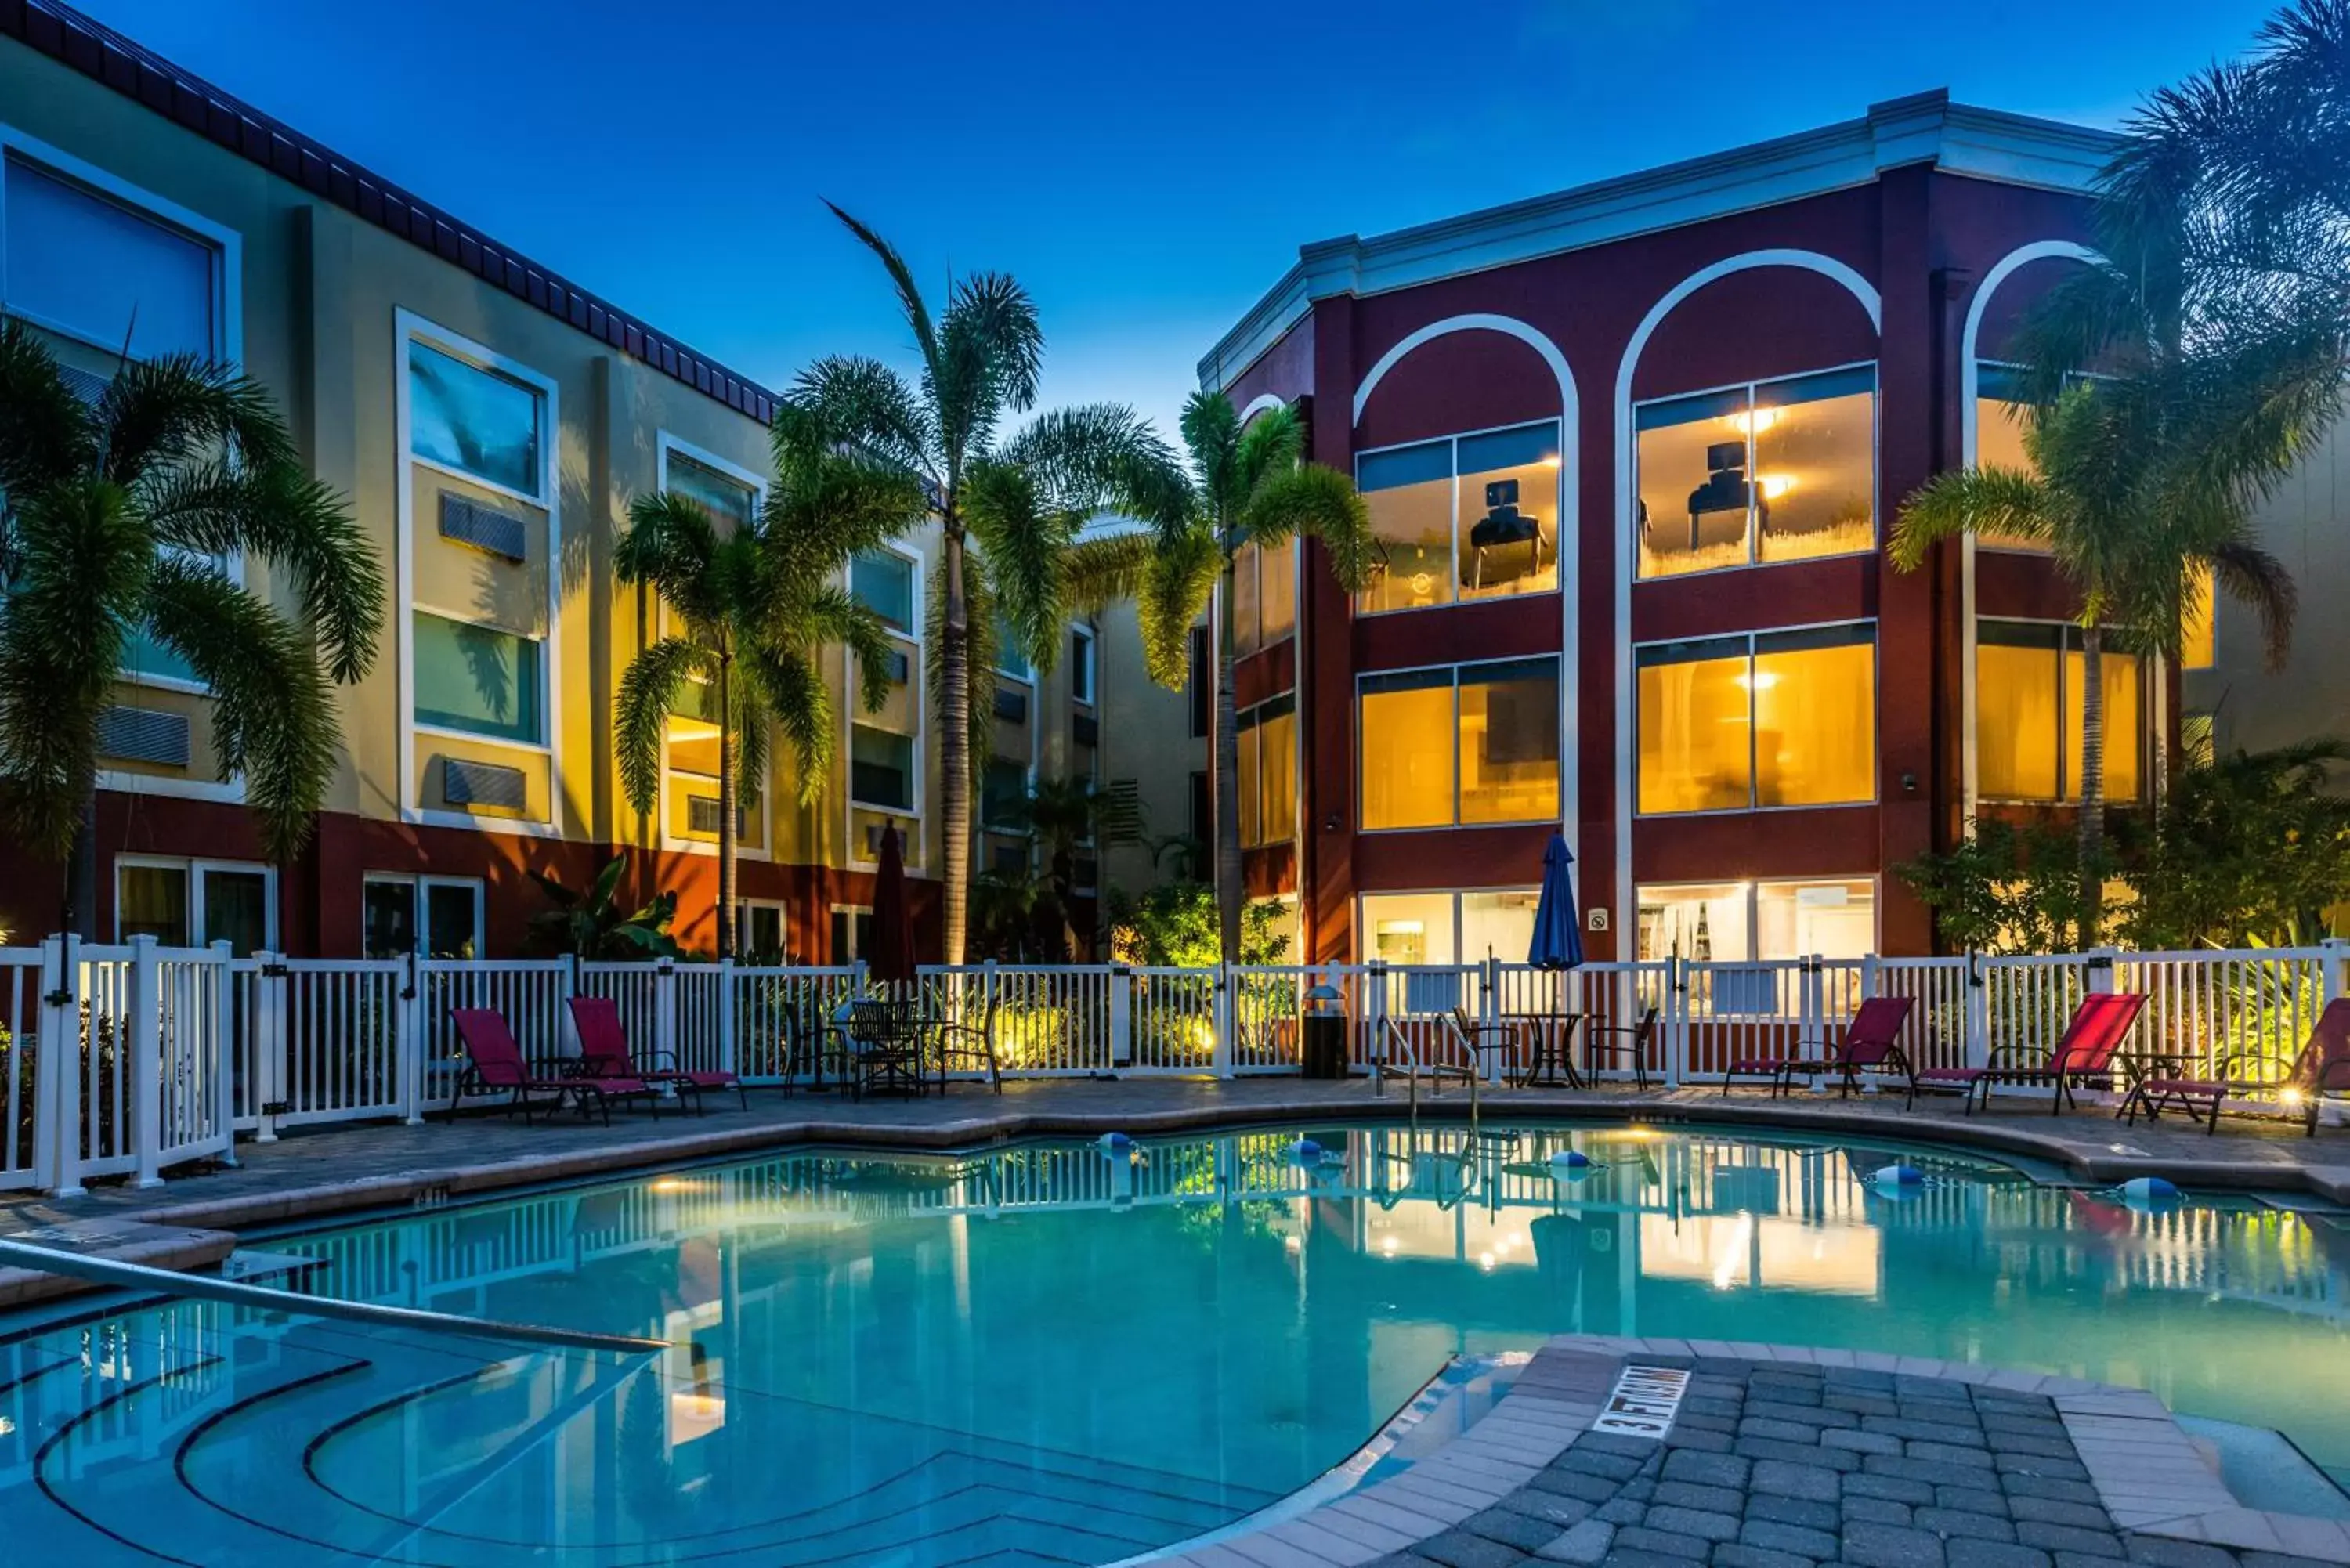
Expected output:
{"points": [[171, 1281]]}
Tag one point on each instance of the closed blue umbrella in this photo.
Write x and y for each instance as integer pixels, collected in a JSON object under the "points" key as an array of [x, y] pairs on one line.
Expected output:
{"points": [[1557, 943], [1558, 935]]}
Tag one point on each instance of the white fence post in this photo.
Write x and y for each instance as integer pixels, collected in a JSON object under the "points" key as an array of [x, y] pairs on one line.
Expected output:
{"points": [[57, 1134], [726, 1015], [2097, 971], [1121, 1014], [664, 1010], [1489, 1015], [1872, 976], [265, 1023], [2332, 953], [1225, 1017], [1674, 1021], [1375, 1022], [225, 1053], [409, 1042], [145, 1007], [1978, 1042]]}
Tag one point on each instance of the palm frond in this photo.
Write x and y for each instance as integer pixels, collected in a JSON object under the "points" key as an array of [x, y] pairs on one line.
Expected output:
{"points": [[1970, 500], [86, 557], [45, 432], [1101, 568], [273, 709], [668, 546], [650, 691], [1271, 443], [752, 719], [839, 618], [1210, 428], [801, 705], [1312, 499], [182, 407], [901, 278], [280, 515], [2258, 580], [1181, 582], [854, 401]]}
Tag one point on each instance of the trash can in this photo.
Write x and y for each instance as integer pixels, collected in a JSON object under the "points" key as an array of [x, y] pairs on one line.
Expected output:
{"points": [[1325, 1032]]}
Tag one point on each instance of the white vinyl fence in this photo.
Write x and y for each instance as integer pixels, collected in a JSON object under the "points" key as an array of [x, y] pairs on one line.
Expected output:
{"points": [[119, 1061]]}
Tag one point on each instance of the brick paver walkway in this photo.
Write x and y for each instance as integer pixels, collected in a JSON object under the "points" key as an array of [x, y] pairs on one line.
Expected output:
{"points": [[1775, 1463]]}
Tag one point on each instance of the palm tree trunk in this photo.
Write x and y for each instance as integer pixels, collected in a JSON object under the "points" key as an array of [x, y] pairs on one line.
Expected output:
{"points": [[1228, 772], [79, 916], [954, 750], [727, 836], [2092, 823]]}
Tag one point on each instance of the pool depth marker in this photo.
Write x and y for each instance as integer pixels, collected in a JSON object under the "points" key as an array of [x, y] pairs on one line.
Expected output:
{"points": [[1644, 1401]]}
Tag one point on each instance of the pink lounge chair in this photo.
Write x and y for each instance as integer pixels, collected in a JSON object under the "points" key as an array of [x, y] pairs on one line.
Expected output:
{"points": [[2084, 1055], [2322, 1068], [1871, 1044], [604, 1047], [494, 1062]]}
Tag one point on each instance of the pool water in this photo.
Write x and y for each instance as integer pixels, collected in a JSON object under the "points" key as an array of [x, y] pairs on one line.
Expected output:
{"points": [[1049, 1353]]}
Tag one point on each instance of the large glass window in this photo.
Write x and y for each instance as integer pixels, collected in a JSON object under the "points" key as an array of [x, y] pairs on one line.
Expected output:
{"points": [[2199, 640], [434, 916], [1776, 471], [1004, 794], [1776, 719], [472, 419], [477, 679], [1477, 744], [1467, 517], [2028, 678], [87, 266], [1264, 594], [885, 581], [1998, 438], [1448, 928], [1407, 736], [1746, 922], [1268, 783], [880, 769], [726, 498]]}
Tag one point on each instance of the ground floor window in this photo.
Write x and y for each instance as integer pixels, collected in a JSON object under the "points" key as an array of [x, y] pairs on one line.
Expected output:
{"points": [[1740, 922], [195, 903], [432, 917], [1448, 928], [762, 932], [852, 931]]}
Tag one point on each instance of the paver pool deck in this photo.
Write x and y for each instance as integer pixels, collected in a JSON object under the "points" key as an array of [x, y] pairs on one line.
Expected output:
{"points": [[1785, 1458]]}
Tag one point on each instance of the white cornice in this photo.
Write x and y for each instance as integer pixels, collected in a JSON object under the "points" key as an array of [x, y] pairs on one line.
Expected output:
{"points": [[1924, 128]]}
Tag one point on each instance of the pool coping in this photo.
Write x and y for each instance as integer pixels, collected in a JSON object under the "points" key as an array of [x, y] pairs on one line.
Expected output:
{"points": [[435, 1184], [2147, 1472]]}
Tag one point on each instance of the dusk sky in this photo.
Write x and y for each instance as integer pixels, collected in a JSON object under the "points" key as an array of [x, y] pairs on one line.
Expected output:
{"points": [[1148, 172]]}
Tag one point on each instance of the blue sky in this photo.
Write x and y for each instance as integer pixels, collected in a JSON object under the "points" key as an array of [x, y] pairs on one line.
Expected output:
{"points": [[1147, 170]]}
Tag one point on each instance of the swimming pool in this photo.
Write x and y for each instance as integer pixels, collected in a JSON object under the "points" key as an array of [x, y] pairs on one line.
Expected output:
{"points": [[1047, 1353]]}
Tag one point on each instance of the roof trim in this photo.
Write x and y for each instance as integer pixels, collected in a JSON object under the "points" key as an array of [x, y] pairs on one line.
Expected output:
{"points": [[105, 55], [1926, 128]]}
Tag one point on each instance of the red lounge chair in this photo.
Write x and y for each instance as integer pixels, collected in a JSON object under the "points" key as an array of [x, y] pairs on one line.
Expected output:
{"points": [[495, 1062], [604, 1048], [2084, 1055], [2322, 1068], [1871, 1042]]}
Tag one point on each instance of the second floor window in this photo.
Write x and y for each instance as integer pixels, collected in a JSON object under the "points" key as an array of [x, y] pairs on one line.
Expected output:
{"points": [[885, 581], [1459, 745], [1773, 719], [2027, 681], [473, 420], [1268, 781], [1772, 471]]}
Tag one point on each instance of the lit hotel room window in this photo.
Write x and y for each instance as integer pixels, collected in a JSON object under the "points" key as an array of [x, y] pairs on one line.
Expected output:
{"points": [[1746, 922], [2028, 678], [1474, 744], [1468, 517], [1776, 719], [1777, 470]]}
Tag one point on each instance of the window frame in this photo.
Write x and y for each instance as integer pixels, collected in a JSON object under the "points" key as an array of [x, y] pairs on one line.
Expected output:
{"points": [[1558, 675], [783, 913], [1248, 729], [1081, 632], [1458, 895], [1753, 807], [2066, 762], [1753, 530], [194, 867], [833, 912], [419, 885], [666, 445], [1754, 886], [408, 329], [915, 638], [1453, 439]]}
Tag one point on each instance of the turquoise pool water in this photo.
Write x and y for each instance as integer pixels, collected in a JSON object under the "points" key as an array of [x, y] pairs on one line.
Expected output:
{"points": [[1046, 1354]]}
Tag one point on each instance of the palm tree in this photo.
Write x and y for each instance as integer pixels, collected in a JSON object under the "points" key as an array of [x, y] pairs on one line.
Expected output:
{"points": [[755, 607], [980, 362], [118, 514], [1248, 485], [1064, 815], [2105, 497]]}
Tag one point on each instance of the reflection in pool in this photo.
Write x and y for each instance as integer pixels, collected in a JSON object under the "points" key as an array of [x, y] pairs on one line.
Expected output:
{"points": [[1050, 1353]]}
